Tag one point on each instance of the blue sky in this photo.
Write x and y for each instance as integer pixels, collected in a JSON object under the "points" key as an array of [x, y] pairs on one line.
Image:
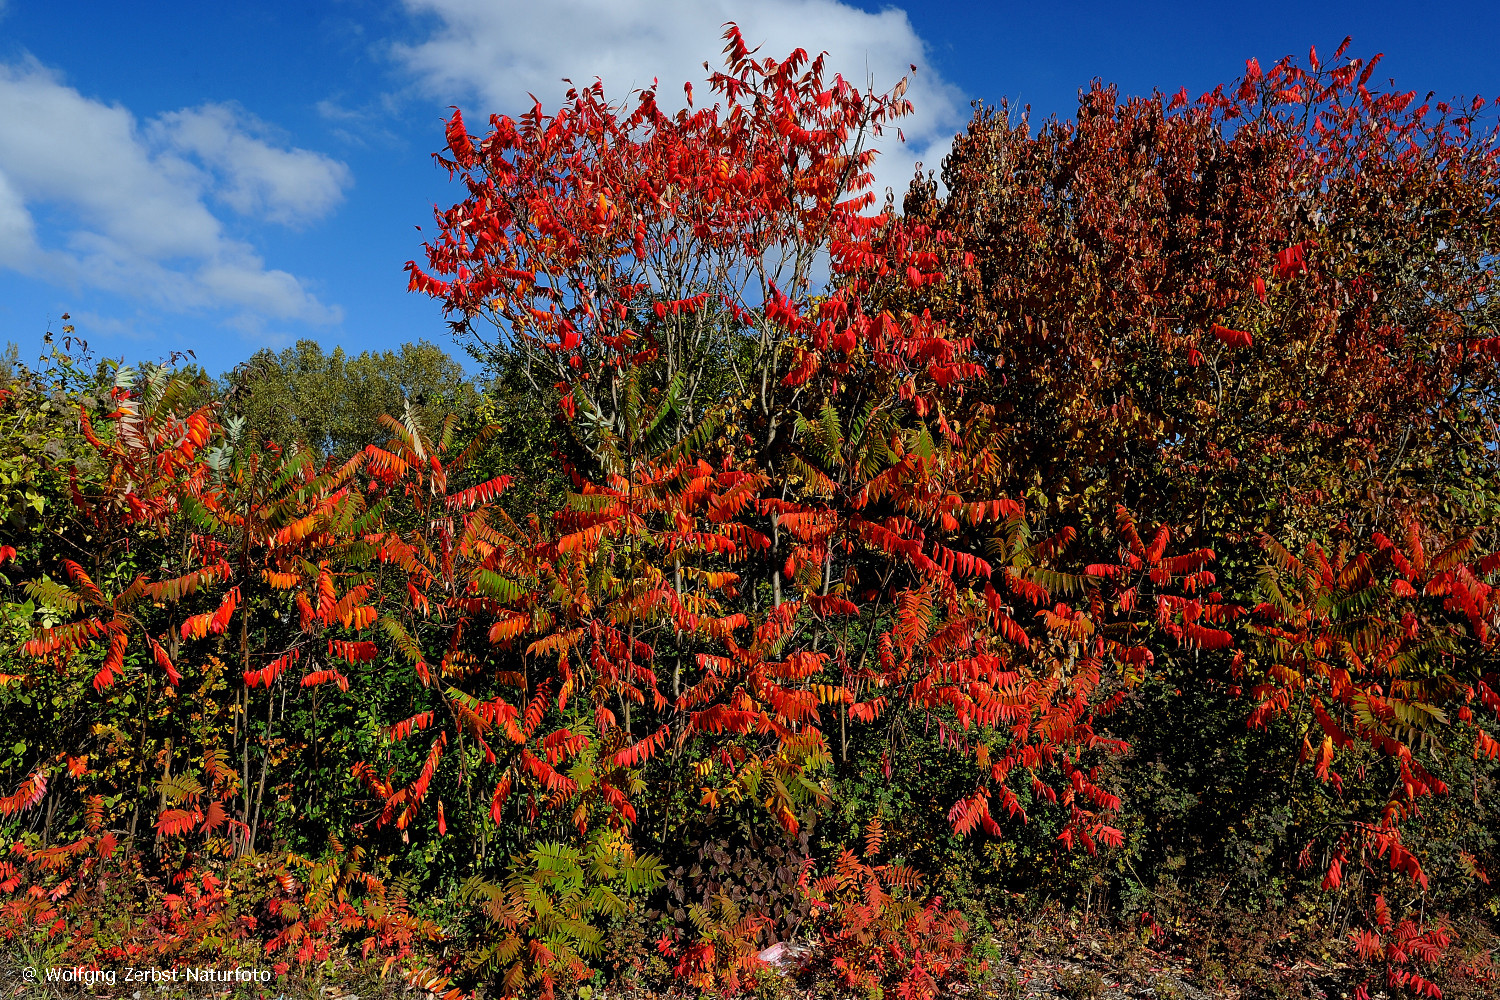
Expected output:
{"points": [[225, 177]]}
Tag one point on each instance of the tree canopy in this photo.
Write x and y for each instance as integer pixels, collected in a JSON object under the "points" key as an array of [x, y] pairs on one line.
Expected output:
{"points": [[333, 403]]}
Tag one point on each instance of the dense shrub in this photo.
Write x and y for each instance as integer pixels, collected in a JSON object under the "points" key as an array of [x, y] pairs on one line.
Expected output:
{"points": [[1113, 529]]}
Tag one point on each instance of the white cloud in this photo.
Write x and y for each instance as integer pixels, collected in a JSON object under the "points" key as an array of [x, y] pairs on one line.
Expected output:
{"points": [[17, 230], [124, 208], [288, 186], [501, 50], [364, 124]]}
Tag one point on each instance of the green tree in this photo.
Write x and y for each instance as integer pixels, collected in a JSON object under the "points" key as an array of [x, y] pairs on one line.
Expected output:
{"points": [[332, 403]]}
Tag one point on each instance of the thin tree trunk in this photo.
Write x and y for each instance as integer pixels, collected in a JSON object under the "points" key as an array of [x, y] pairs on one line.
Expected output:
{"points": [[260, 792], [161, 802]]}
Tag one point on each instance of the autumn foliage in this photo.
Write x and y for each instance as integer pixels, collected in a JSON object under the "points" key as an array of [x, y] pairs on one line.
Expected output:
{"points": [[1183, 399]]}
